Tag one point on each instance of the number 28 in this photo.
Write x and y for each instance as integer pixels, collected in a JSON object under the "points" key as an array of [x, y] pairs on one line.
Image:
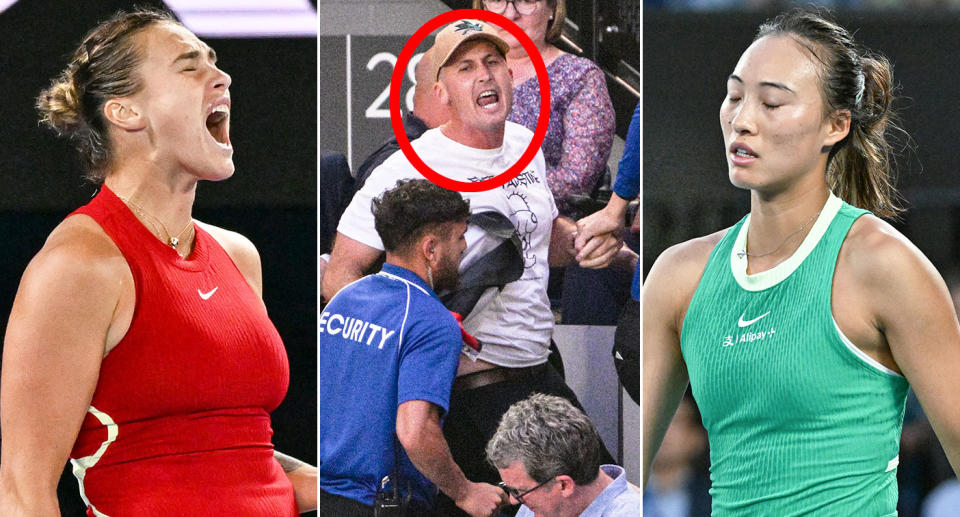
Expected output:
{"points": [[379, 108]]}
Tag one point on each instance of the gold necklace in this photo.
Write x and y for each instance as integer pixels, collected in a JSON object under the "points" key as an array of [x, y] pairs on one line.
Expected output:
{"points": [[744, 252], [173, 241]]}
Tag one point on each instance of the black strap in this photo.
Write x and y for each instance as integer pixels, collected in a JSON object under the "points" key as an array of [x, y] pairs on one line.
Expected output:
{"points": [[396, 467], [497, 268]]}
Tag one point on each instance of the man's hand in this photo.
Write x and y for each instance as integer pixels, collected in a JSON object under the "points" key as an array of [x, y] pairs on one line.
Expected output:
{"points": [[482, 500], [608, 220], [418, 429], [598, 223], [599, 251]]}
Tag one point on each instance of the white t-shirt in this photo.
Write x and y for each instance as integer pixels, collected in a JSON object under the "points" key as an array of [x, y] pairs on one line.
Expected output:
{"points": [[515, 323]]}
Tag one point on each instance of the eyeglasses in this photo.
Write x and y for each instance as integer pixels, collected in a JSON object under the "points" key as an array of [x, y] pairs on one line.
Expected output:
{"points": [[522, 6], [518, 495]]}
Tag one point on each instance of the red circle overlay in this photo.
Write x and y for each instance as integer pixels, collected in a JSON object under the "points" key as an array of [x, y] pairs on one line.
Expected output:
{"points": [[397, 79]]}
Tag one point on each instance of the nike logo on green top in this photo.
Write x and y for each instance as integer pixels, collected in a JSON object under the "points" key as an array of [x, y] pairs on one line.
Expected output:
{"points": [[741, 323]]}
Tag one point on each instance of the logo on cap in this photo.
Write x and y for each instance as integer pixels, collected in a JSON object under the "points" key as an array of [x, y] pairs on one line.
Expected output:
{"points": [[467, 27]]}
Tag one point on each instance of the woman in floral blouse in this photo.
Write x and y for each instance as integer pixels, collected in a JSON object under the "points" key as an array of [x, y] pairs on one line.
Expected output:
{"points": [[582, 123]]}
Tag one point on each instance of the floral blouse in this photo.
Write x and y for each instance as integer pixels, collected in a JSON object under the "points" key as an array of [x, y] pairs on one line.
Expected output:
{"points": [[581, 127]]}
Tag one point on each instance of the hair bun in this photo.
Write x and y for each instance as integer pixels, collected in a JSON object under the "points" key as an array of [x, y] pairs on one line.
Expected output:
{"points": [[60, 108], [103, 66]]}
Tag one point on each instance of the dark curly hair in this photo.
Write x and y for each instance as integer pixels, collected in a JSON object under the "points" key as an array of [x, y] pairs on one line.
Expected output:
{"points": [[413, 208], [859, 80], [103, 66]]}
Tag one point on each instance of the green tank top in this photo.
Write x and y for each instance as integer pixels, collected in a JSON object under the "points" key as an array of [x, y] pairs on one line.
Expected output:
{"points": [[800, 421]]}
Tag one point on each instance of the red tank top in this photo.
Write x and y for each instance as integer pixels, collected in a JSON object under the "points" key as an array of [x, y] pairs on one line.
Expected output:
{"points": [[179, 423]]}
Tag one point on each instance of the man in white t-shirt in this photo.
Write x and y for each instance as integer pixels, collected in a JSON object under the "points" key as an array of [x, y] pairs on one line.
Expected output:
{"points": [[514, 324]]}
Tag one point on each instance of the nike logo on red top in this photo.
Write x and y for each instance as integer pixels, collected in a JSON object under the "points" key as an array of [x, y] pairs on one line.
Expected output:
{"points": [[206, 296]]}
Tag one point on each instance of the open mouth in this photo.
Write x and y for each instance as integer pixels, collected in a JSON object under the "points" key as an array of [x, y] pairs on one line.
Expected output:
{"points": [[218, 124], [742, 152], [489, 99]]}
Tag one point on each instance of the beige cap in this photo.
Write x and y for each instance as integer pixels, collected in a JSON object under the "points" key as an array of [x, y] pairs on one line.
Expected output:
{"points": [[452, 36]]}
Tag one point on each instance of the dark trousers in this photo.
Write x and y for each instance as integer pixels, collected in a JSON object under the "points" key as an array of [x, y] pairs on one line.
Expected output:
{"points": [[473, 419], [594, 296], [626, 349], [335, 505], [330, 505]]}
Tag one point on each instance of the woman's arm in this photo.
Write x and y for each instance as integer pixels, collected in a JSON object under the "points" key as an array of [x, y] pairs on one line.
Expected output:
{"points": [[67, 312], [303, 476], [666, 295], [588, 127], [909, 305]]}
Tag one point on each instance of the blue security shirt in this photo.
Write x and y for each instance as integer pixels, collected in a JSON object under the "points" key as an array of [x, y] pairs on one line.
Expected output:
{"points": [[383, 340], [627, 184]]}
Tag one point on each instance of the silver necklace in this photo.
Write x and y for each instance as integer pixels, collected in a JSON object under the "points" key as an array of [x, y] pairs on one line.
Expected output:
{"points": [[744, 253], [172, 241]]}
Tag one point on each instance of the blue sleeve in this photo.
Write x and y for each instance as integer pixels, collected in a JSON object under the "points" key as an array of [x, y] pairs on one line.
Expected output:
{"points": [[627, 184], [429, 357]]}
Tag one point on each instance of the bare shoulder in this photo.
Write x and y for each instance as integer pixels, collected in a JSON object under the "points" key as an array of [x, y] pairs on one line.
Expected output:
{"points": [[236, 245], [886, 275], [876, 254], [674, 277], [73, 286], [78, 249], [241, 250], [687, 259]]}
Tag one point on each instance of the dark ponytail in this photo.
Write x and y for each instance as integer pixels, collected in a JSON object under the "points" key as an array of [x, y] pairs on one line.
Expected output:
{"points": [[859, 167]]}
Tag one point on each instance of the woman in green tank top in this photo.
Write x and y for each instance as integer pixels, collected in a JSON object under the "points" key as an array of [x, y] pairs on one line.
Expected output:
{"points": [[801, 328]]}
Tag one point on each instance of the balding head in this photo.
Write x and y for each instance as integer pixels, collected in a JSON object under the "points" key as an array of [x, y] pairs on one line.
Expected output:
{"points": [[421, 72], [426, 106]]}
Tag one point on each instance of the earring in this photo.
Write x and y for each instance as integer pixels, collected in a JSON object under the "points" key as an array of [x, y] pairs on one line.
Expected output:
{"points": [[430, 276]]}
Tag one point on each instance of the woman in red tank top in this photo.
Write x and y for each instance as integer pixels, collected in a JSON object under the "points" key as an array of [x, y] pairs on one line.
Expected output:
{"points": [[138, 345]]}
